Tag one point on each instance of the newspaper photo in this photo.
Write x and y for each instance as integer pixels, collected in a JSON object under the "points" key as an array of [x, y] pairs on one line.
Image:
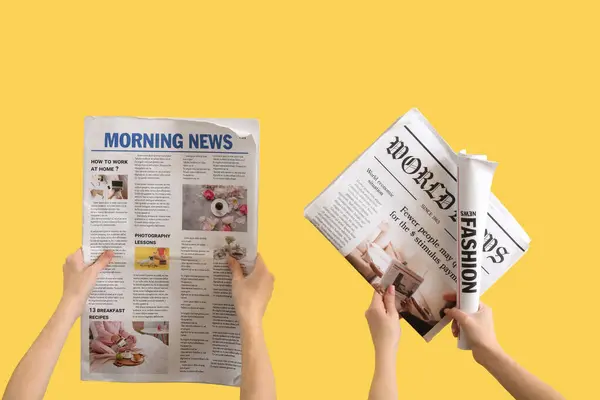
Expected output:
{"points": [[392, 215], [172, 198]]}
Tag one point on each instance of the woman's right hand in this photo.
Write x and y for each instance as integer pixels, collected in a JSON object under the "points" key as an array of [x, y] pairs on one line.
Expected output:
{"points": [[479, 330], [251, 294]]}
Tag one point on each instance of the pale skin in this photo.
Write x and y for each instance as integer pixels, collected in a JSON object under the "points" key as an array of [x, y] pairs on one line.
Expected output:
{"points": [[479, 329], [384, 325], [251, 295], [30, 379]]}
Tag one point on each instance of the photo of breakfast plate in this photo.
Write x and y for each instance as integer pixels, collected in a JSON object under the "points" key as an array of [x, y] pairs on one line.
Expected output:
{"points": [[129, 359]]}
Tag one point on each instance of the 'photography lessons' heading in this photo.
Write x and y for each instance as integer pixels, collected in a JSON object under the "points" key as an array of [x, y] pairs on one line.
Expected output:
{"points": [[192, 141]]}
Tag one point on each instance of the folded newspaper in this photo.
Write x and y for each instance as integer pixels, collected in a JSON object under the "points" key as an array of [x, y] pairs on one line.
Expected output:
{"points": [[172, 198], [392, 215]]}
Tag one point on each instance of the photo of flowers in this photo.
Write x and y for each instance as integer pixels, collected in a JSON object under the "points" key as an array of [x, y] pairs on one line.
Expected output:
{"points": [[214, 208]]}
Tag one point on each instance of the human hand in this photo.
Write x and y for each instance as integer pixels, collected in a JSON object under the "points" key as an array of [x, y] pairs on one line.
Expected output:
{"points": [[131, 340], [251, 294], [478, 328], [375, 269], [384, 324], [115, 338], [79, 279]]}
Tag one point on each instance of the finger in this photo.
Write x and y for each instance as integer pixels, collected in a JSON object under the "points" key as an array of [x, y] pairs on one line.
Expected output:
{"points": [[389, 299], [259, 264], [235, 268], [455, 328], [377, 301], [102, 261], [76, 258], [457, 314], [451, 297]]}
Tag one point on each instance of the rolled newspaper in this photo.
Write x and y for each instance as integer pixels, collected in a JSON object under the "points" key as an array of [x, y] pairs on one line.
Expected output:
{"points": [[475, 176]]}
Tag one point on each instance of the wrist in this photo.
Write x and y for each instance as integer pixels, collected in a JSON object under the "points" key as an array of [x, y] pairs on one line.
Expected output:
{"points": [[487, 355], [386, 353], [250, 325], [71, 308], [385, 361]]}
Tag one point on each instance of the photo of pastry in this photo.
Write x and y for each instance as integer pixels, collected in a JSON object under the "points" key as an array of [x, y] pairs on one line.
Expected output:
{"points": [[214, 208], [231, 248], [117, 347], [108, 187], [152, 258]]}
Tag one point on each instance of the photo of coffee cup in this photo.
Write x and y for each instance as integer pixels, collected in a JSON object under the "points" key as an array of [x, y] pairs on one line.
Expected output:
{"points": [[219, 207]]}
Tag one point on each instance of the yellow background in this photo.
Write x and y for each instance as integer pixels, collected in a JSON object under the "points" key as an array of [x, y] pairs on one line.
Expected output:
{"points": [[517, 80], [142, 253]]}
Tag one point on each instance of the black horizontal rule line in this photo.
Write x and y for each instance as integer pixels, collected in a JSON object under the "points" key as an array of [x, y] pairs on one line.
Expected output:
{"points": [[448, 232], [503, 230], [430, 153], [453, 177], [485, 270], [390, 172]]}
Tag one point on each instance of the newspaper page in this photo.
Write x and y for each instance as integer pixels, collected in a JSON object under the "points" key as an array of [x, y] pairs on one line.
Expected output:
{"points": [[172, 198], [392, 215]]}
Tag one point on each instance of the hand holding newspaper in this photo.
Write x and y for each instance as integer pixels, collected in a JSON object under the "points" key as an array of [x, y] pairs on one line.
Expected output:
{"points": [[475, 175], [393, 214], [172, 198]]}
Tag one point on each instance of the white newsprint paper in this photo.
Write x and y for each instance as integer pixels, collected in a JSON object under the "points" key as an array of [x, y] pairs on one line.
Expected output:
{"points": [[475, 175], [172, 198], [392, 215]]}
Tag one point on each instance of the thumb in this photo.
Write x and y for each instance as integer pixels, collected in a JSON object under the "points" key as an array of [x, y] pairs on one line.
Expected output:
{"points": [[389, 299], [235, 268], [459, 316], [259, 264], [377, 301], [102, 261]]}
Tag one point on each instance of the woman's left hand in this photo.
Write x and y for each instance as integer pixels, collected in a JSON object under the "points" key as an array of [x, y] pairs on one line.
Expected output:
{"points": [[80, 278]]}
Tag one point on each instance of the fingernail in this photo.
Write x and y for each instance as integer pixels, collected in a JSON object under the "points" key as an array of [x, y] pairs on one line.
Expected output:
{"points": [[391, 289]]}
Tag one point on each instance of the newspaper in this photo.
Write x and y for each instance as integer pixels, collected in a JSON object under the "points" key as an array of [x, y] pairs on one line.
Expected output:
{"points": [[172, 198], [392, 215]]}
